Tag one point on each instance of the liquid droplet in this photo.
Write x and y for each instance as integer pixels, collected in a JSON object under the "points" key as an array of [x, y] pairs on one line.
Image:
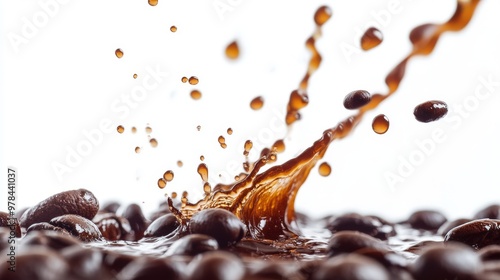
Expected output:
{"points": [[380, 124], [153, 142], [202, 158], [232, 50], [195, 94], [162, 183], [222, 141], [149, 130], [193, 80], [135, 76], [198, 127], [322, 15], [184, 79], [134, 129], [325, 169], [207, 188], [371, 38], [119, 53], [168, 175], [153, 2], [120, 129], [137, 149], [203, 171], [173, 195], [180, 163], [173, 28], [279, 146], [257, 103], [229, 131], [248, 146]]}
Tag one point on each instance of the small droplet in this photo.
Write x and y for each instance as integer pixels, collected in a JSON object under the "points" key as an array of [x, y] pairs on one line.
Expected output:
{"points": [[232, 50], [193, 80], [324, 169], [185, 194], [153, 2], [134, 129], [162, 183], [202, 158], [248, 146], [207, 188], [195, 94], [229, 131], [119, 53], [137, 149], [180, 163], [198, 127], [173, 28], [168, 175], [279, 146], [257, 103], [380, 124], [184, 79], [322, 15], [153, 142], [173, 195], [203, 171], [120, 129], [371, 38], [135, 76], [149, 130], [222, 142]]}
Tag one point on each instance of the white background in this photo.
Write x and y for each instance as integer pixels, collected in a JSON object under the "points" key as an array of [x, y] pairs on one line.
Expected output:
{"points": [[62, 78]]}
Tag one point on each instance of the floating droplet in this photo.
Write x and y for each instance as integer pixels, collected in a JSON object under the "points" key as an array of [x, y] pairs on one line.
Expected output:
{"points": [[195, 94], [203, 171], [134, 129], [229, 131], [120, 129], [322, 15], [162, 183], [168, 175], [222, 141], [380, 124], [184, 79], [193, 80], [371, 38], [257, 103], [173, 195], [232, 50], [202, 158], [180, 163], [149, 130], [248, 146], [324, 169], [137, 149], [173, 28], [119, 53], [135, 76], [279, 146], [153, 142], [153, 2], [198, 127]]}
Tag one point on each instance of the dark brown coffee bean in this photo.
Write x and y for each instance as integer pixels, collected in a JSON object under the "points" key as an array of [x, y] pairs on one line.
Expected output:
{"points": [[219, 223], [490, 253], [52, 239], [19, 213], [387, 258], [427, 220], [421, 246], [430, 111], [454, 261], [112, 227], [110, 207], [46, 226], [5, 233], [149, 269], [193, 245], [350, 267], [490, 212], [351, 241], [477, 233], [443, 230], [138, 223], [11, 224], [115, 262], [78, 202], [357, 99], [219, 265], [365, 224], [78, 226], [163, 226], [85, 263], [272, 271], [38, 263]]}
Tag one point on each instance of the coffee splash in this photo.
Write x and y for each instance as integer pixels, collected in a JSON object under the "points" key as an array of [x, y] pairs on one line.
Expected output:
{"points": [[265, 201]]}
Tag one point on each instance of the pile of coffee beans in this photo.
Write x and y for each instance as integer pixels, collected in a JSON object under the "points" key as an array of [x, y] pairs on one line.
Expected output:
{"points": [[70, 236]]}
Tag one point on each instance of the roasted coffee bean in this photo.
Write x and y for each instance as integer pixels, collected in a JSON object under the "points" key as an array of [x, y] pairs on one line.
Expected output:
{"points": [[4, 238], [387, 258], [85, 263], [20, 212], [427, 220], [115, 262], [365, 224], [149, 269], [112, 227], [350, 267], [47, 226], [138, 223], [454, 261], [52, 239], [443, 230], [78, 202], [110, 207], [351, 241], [490, 212], [430, 111], [78, 226], [219, 223], [477, 233], [357, 99], [38, 263], [490, 253], [421, 246], [193, 245], [11, 224], [272, 271], [162, 226], [219, 265]]}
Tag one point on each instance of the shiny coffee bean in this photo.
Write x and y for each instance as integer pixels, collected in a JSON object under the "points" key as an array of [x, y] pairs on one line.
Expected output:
{"points": [[454, 261], [78, 202], [490, 212], [78, 226], [388, 259], [357, 99], [193, 245], [427, 220], [85, 263], [37, 263], [46, 226], [219, 223], [20, 212], [52, 239], [272, 271], [365, 224], [443, 230], [164, 225], [430, 111], [351, 241], [490, 253], [149, 269], [115, 262], [351, 267], [477, 233], [11, 224], [219, 265], [112, 227], [110, 207], [138, 223]]}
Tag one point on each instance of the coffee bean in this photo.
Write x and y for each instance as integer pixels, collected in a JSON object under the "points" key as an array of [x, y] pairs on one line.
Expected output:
{"points": [[219, 265], [351, 267], [112, 227], [4, 238], [387, 258], [454, 261], [430, 111], [272, 271], [78, 226], [162, 226], [357, 99], [115, 262], [477, 233], [149, 269], [38, 263], [193, 245], [219, 223], [52, 239], [11, 224], [490, 253], [138, 223], [158, 213], [46, 226], [85, 263], [490, 212], [365, 224], [443, 230], [110, 207], [427, 220], [351, 241], [78, 202]]}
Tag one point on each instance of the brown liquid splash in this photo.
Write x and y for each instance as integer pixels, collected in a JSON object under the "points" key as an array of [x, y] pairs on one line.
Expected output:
{"points": [[371, 38], [265, 201], [233, 50]]}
